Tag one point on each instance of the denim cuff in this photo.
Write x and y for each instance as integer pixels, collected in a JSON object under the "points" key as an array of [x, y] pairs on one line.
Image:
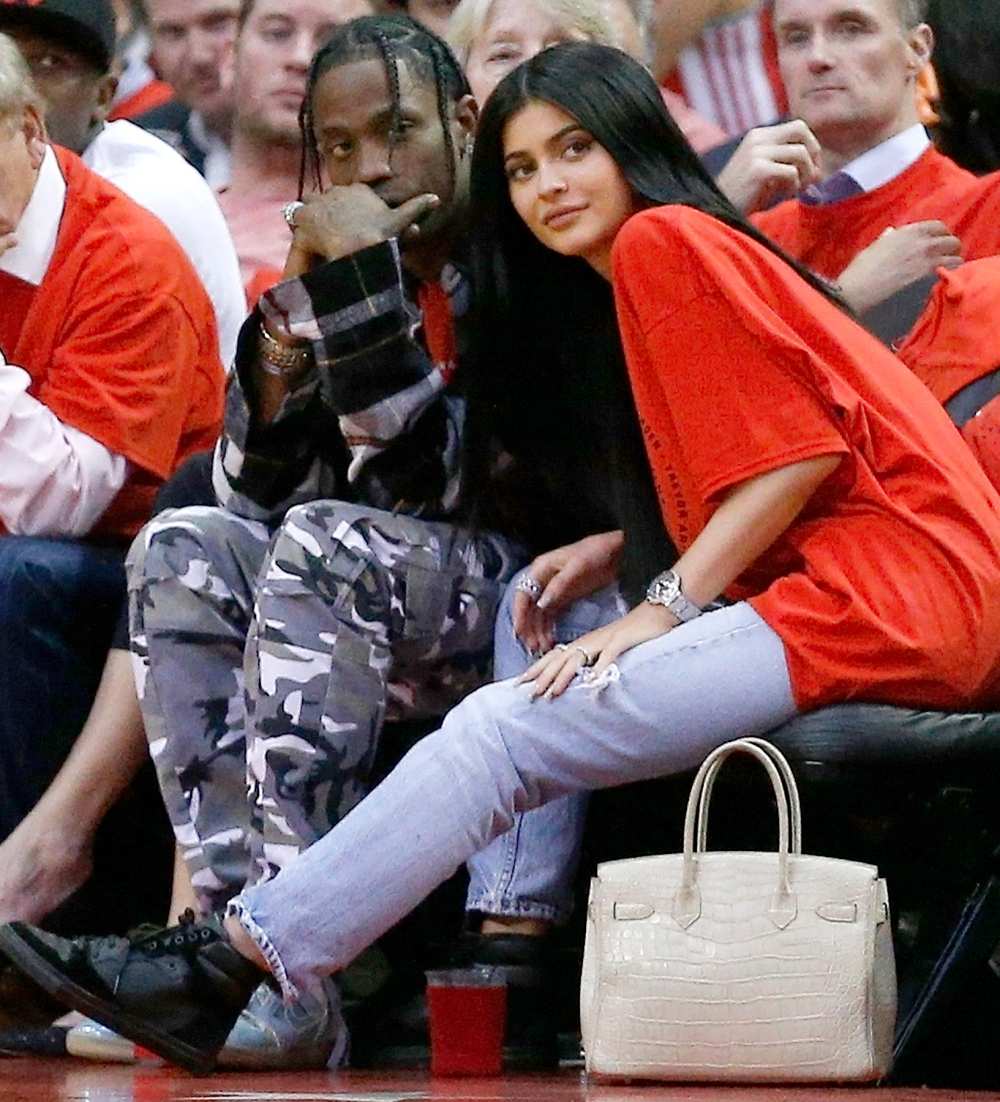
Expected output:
{"points": [[516, 907], [238, 908]]}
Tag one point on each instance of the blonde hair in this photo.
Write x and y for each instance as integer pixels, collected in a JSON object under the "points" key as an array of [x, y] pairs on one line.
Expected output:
{"points": [[17, 89], [588, 17]]}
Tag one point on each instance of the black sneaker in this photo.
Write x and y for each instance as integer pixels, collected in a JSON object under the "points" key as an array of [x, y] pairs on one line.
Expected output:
{"points": [[399, 1035], [176, 991]]}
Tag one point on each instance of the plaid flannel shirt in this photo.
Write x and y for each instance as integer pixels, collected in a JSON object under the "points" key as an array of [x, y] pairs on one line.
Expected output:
{"points": [[375, 420]]}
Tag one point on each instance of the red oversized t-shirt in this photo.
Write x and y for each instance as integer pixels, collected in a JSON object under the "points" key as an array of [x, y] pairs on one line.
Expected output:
{"points": [[828, 236], [887, 586], [119, 340]]}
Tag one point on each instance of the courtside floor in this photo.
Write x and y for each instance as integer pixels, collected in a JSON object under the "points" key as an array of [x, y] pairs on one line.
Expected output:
{"points": [[30, 1079]]}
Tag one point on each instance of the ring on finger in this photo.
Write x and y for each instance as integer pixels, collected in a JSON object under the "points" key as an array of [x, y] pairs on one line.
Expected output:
{"points": [[588, 658], [526, 584], [289, 211]]}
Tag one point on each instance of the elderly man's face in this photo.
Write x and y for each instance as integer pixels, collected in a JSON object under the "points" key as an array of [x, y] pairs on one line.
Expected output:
{"points": [[849, 66], [22, 147]]}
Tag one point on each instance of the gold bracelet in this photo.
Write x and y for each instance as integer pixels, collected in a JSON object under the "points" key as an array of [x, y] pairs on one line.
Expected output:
{"points": [[280, 359]]}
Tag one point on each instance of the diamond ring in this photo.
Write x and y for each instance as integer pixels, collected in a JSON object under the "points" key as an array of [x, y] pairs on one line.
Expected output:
{"points": [[588, 658], [289, 211], [526, 584]]}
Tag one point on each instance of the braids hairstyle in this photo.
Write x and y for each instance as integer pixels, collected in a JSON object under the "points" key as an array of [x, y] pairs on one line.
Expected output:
{"points": [[546, 332], [391, 39]]}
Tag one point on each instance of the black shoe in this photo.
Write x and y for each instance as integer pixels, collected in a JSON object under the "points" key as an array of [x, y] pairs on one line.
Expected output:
{"points": [[176, 991], [40, 1041], [401, 1037]]}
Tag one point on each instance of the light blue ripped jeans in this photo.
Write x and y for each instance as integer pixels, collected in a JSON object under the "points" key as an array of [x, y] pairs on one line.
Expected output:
{"points": [[498, 753], [529, 870]]}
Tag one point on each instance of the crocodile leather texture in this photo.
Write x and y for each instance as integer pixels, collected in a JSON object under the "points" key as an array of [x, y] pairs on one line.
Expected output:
{"points": [[747, 967]]}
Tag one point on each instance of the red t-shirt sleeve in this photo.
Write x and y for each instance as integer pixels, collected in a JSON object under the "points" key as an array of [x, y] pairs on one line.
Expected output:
{"points": [[124, 373], [735, 381]]}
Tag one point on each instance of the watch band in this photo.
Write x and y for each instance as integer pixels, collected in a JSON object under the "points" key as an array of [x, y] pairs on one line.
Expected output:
{"points": [[665, 589], [280, 359]]}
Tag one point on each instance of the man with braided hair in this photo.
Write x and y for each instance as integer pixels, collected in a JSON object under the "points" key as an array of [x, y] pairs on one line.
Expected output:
{"points": [[334, 586]]}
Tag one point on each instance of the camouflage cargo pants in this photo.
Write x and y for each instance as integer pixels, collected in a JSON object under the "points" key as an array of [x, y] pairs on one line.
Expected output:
{"points": [[267, 661]]}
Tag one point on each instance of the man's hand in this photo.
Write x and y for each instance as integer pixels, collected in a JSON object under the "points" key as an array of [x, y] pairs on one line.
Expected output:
{"points": [[772, 162], [895, 260], [553, 672], [565, 575], [344, 220], [7, 241]]}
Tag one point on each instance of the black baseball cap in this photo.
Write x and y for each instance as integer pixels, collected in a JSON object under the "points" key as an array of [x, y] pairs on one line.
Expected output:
{"points": [[85, 25]]}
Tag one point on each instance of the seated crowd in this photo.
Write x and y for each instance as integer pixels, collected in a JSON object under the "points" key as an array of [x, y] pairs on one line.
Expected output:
{"points": [[500, 369]]}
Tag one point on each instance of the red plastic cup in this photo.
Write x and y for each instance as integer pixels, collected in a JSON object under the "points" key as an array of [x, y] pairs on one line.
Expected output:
{"points": [[468, 1011]]}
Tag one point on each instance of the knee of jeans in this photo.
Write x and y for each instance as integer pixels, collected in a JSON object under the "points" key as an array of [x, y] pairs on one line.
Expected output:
{"points": [[40, 576]]}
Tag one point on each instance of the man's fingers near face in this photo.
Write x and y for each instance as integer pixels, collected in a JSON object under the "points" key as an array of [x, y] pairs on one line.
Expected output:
{"points": [[407, 215]]}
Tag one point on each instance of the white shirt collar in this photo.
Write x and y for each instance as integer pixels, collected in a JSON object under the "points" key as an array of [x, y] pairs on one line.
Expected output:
{"points": [[888, 159], [218, 165], [39, 226]]}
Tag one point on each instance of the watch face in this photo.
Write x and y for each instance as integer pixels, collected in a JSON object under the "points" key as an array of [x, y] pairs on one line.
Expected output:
{"points": [[669, 589], [665, 588]]}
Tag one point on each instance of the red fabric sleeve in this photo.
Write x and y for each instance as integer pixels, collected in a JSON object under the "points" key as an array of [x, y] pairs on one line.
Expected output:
{"points": [[736, 382], [124, 373]]}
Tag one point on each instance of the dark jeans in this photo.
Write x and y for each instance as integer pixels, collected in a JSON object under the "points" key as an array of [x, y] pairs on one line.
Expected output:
{"points": [[59, 601], [62, 604]]}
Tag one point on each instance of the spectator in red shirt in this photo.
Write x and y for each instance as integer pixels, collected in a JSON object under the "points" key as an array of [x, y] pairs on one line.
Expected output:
{"points": [[850, 69], [109, 376]]}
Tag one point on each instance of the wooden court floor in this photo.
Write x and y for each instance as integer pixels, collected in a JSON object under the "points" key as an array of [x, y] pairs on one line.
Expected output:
{"points": [[67, 1079]]}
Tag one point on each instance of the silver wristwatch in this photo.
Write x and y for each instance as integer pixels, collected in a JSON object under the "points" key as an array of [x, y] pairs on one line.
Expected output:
{"points": [[665, 589]]}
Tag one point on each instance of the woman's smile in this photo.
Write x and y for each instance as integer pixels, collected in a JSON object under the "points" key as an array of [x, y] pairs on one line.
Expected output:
{"points": [[564, 185]]}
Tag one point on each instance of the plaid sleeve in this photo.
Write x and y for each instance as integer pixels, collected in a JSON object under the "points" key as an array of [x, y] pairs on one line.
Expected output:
{"points": [[375, 390]]}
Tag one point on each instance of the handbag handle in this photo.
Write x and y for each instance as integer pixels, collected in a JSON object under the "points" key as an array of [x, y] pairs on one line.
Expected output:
{"points": [[687, 902], [791, 789]]}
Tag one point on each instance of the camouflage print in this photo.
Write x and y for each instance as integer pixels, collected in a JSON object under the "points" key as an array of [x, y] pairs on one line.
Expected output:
{"points": [[273, 659]]}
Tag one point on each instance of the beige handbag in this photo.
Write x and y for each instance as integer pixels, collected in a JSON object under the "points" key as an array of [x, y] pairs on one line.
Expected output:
{"points": [[751, 967]]}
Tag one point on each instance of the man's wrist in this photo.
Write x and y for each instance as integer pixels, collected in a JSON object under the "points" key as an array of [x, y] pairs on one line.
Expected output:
{"points": [[280, 356]]}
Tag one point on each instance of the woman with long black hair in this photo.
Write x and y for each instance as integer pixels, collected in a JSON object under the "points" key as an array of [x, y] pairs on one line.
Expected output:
{"points": [[798, 467]]}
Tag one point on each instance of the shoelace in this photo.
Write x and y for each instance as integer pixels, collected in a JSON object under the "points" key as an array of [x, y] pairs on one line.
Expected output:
{"points": [[188, 932]]}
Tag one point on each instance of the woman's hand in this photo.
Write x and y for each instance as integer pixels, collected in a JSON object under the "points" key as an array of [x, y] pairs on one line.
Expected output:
{"points": [[596, 650], [564, 575]]}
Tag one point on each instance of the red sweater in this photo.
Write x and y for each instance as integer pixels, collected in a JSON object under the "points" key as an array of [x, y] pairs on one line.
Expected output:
{"points": [[119, 340], [828, 237]]}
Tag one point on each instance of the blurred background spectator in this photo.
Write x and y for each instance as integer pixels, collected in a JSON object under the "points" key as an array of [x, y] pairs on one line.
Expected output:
{"points": [[192, 44]]}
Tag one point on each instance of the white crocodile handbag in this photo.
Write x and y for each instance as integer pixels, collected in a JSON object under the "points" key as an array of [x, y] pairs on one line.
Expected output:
{"points": [[746, 967]]}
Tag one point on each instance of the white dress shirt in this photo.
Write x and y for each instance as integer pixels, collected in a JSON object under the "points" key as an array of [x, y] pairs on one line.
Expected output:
{"points": [[218, 168], [54, 479], [159, 179], [889, 159]]}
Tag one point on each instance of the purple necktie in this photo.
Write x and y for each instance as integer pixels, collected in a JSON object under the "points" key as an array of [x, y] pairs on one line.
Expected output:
{"points": [[838, 186]]}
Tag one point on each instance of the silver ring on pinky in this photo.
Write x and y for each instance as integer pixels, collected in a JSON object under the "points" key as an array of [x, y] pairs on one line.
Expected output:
{"points": [[588, 658], [289, 211], [526, 584]]}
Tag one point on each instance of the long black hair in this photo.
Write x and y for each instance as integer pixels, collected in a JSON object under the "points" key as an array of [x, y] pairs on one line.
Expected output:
{"points": [[391, 39], [550, 365]]}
